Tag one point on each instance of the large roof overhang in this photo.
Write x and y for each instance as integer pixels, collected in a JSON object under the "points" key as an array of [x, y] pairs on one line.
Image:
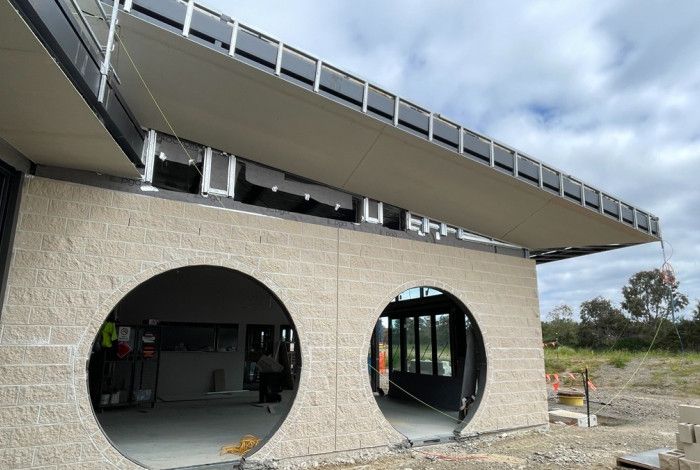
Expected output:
{"points": [[42, 114], [242, 100], [211, 97]]}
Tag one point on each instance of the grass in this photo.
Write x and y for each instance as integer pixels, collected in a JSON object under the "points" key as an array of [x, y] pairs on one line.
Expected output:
{"points": [[662, 370]]}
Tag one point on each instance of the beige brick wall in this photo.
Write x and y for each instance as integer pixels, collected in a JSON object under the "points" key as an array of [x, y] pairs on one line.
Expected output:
{"points": [[78, 250]]}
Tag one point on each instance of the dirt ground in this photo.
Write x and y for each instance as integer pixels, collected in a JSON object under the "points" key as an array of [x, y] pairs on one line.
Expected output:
{"points": [[643, 417]]}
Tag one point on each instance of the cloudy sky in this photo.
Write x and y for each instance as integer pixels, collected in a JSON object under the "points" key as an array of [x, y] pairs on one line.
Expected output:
{"points": [[608, 91]]}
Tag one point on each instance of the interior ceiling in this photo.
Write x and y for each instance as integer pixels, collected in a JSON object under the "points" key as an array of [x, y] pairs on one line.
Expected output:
{"points": [[210, 98], [42, 114]]}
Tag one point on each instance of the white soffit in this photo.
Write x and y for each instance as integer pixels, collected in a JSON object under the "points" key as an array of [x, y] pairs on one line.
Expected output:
{"points": [[42, 114], [213, 99]]}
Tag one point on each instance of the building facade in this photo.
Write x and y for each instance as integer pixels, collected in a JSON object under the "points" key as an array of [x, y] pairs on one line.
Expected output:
{"points": [[97, 212], [74, 260]]}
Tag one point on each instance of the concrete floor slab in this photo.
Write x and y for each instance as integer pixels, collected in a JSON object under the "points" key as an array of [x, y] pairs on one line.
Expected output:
{"points": [[416, 421], [182, 434]]}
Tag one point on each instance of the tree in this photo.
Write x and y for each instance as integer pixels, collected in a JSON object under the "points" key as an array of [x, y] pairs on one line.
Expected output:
{"points": [[561, 312], [647, 297], [696, 312], [561, 326], [601, 323]]}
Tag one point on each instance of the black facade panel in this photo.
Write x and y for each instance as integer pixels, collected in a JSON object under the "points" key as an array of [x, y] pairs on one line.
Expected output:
{"points": [[592, 198], [413, 120], [550, 179], [477, 147], [610, 207], [572, 190], [446, 134], [380, 105], [528, 169], [509, 250], [255, 50], [642, 220], [297, 69], [10, 183], [167, 15], [56, 25], [126, 132], [340, 88], [212, 27], [654, 227], [74, 48], [503, 158], [627, 214]]}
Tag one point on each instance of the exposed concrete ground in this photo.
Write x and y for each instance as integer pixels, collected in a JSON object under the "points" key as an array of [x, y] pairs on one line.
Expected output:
{"points": [[191, 432], [643, 417], [416, 421]]}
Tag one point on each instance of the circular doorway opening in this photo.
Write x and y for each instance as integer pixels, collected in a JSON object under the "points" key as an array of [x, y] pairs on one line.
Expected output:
{"points": [[189, 363], [427, 364]]}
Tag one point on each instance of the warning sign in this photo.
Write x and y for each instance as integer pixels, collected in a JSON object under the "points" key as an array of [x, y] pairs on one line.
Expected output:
{"points": [[124, 333], [123, 349]]}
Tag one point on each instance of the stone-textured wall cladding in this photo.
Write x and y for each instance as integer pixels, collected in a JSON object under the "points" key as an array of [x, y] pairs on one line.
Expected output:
{"points": [[79, 249]]}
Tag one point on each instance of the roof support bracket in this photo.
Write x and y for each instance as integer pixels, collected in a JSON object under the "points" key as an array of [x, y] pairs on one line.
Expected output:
{"points": [[278, 62], [104, 68], [234, 36], [317, 77]]}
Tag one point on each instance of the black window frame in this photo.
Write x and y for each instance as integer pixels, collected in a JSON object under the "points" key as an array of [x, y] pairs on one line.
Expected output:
{"points": [[10, 188], [423, 306]]}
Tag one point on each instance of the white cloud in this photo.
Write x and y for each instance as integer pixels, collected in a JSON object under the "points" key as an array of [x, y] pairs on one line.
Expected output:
{"points": [[607, 91]]}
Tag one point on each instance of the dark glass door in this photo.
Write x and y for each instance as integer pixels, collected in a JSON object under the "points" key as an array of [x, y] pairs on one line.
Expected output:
{"points": [[259, 340]]}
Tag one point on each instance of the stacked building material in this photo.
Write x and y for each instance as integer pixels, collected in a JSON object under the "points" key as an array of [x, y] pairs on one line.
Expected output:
{"points": [[687, 454]]}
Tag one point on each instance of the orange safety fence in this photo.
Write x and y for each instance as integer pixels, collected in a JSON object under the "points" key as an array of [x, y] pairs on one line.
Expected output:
{"points": [[555, 379]]}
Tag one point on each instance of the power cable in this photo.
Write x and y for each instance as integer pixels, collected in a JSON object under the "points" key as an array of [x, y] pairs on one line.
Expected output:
{"points": [[174, 133], [162, 113], [666, 265], [416, 398]]}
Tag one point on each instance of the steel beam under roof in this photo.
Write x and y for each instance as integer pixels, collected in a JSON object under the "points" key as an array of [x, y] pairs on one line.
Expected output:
{"points": [[337, 130]]}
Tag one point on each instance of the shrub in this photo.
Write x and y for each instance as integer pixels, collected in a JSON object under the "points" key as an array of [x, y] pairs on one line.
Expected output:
{"points": [[619, 359]]}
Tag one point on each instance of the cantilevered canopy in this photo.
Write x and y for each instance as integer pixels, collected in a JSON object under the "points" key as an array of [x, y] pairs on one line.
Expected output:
{"points": [[41, 112], [212, 97]]}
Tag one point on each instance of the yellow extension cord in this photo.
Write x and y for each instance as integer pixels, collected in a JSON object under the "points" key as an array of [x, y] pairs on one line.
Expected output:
{"points": [[245, 445]]}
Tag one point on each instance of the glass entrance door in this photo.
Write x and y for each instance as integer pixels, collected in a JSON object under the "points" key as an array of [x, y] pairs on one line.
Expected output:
{"points": [[259, 340]]}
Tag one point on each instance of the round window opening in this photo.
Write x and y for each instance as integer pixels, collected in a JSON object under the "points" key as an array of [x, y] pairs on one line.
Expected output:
{"points": [[195, 366], [427, 364]]}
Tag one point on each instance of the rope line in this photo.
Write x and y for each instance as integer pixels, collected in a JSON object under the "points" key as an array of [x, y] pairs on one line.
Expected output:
{"points": [[624, 386], [162, 113], [215, 197], [153, 98], [174, 133], [651, 345], [416, 398]]}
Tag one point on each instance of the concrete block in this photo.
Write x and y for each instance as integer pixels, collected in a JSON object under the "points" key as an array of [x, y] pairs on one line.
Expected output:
{"points": [[686, 464], [689, 414], [692, 451], [571, 417], [669, 460], [686, 432], [696, 428]]}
